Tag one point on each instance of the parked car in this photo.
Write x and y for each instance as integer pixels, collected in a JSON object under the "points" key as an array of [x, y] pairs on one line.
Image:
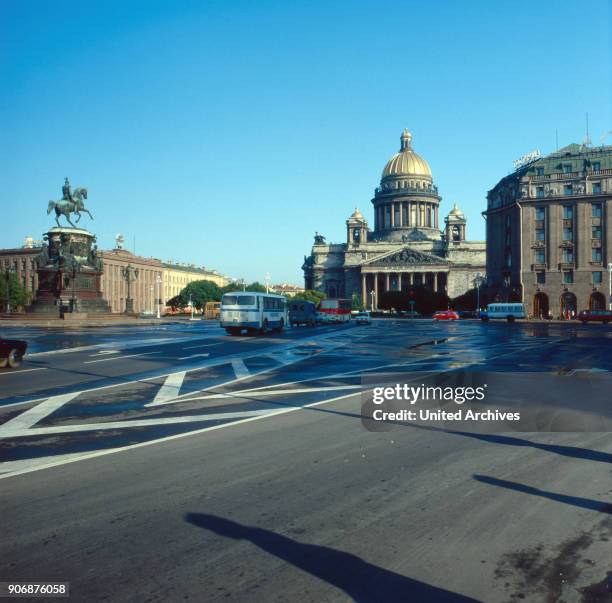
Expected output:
{"points": [[446, 315], [363, 318], [604, 316], [302, 312], [11, 352], [467, 314]]}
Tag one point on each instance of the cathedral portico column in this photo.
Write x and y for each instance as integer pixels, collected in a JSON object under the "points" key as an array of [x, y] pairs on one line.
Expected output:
{"points": [[364, 290], [387, 282], [435, 282], [392, 215], [376, 291], [411, 278], [401, 214], [399, 281]]}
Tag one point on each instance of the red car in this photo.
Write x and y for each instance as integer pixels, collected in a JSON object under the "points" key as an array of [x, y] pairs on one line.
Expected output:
{"points": [[11, 352], [446, 315], [604, 316]]}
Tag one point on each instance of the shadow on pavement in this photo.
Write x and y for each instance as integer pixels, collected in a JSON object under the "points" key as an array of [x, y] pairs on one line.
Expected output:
{"points": [[570, 451], [576, 501], [361, 581]]}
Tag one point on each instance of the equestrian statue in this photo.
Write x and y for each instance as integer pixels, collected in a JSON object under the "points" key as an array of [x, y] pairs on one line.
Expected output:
{"points": [[70, 203]]}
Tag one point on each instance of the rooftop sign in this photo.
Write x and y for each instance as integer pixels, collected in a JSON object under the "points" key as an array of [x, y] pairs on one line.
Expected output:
{"points": [[525, 159]]}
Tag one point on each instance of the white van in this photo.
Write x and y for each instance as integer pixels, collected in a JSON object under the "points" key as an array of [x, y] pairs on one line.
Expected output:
{"points": [[508, 310]]}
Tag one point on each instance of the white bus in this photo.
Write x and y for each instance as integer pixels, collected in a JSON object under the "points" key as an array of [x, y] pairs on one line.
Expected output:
{"points": [[508, 310], [253, 312]]}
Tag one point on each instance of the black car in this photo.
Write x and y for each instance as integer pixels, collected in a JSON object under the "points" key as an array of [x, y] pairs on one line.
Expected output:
{"points": [[11, 352]]}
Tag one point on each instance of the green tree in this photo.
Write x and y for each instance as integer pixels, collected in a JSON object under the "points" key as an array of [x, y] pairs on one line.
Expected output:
{"points": [[356, 303], [309, 295], [18, 295], [255, 286], [199, 292]]}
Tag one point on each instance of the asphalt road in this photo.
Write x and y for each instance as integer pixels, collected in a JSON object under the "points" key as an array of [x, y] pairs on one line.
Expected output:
{"points": [[182, 464]]}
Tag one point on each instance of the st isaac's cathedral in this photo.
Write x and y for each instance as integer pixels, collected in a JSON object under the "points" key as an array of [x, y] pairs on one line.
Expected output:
{"points": [[407, 248]]}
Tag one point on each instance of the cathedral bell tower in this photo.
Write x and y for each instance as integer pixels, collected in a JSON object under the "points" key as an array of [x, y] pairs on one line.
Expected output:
{"points": [[455, 225], [356, 229]]}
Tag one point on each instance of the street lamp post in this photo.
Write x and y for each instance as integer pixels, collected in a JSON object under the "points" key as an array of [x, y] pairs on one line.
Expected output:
{"points": [[478, 282], [158, 281], [191, 305], [152, 288], [9, 272], [267, 280], [130, 274], [372, 294], [610, 286]]}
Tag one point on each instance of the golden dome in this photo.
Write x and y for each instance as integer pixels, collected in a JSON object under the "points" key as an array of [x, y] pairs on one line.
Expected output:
{"points": [[357, 215], [406, 162]]}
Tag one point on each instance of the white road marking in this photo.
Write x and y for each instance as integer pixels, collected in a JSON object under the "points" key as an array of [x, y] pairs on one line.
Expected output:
{"points": [[206, 355], [222, 416], [103, 352], [33, 415], [42, 368], [240, 369], [120, 357], [100, 453], [170, 388], [203, 345], [250, 393]]}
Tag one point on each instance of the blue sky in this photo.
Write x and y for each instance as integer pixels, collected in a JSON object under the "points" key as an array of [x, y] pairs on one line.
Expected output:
{"points": [[226, 133]]}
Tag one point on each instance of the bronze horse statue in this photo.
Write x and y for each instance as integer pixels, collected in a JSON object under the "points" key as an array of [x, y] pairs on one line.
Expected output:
{"points": [[73, 205]]}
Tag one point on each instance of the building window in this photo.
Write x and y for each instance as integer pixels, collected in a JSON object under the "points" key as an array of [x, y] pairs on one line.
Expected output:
{"points": [[567, 168], [539, 192], [568, 212], [567, 190], [596, 167], [540, 256], [568, 256], [539, 234], [508, 239], [540, 277], [507, 220], [568, 277], [596, 188], [595, 210], [540, 213], [568, 234], [596, 254], [596, 232], [508, 260], [539, 171], [597, 277]]}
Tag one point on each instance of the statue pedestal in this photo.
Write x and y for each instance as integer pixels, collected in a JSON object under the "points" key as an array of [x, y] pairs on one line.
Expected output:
{"points": [[69, 275]]}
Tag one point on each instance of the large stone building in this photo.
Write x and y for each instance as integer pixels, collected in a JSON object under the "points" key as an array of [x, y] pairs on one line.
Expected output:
{"points": [[178, 276], [406, 248], [549, 232]]}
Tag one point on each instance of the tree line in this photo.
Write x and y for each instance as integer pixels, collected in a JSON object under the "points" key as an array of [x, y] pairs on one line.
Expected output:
{"points": [[201, 292]]}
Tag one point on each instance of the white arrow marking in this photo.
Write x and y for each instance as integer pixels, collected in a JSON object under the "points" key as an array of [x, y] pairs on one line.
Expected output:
{"points": [[140, 423], [194, 356], [170, 388], [240, 369], [30, 417]]}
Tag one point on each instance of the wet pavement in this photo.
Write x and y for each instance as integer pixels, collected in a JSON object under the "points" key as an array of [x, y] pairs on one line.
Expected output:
{"points": [[279, 422]]}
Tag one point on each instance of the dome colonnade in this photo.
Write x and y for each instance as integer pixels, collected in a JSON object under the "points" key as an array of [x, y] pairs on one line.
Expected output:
{"points": [[407, 197]]}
